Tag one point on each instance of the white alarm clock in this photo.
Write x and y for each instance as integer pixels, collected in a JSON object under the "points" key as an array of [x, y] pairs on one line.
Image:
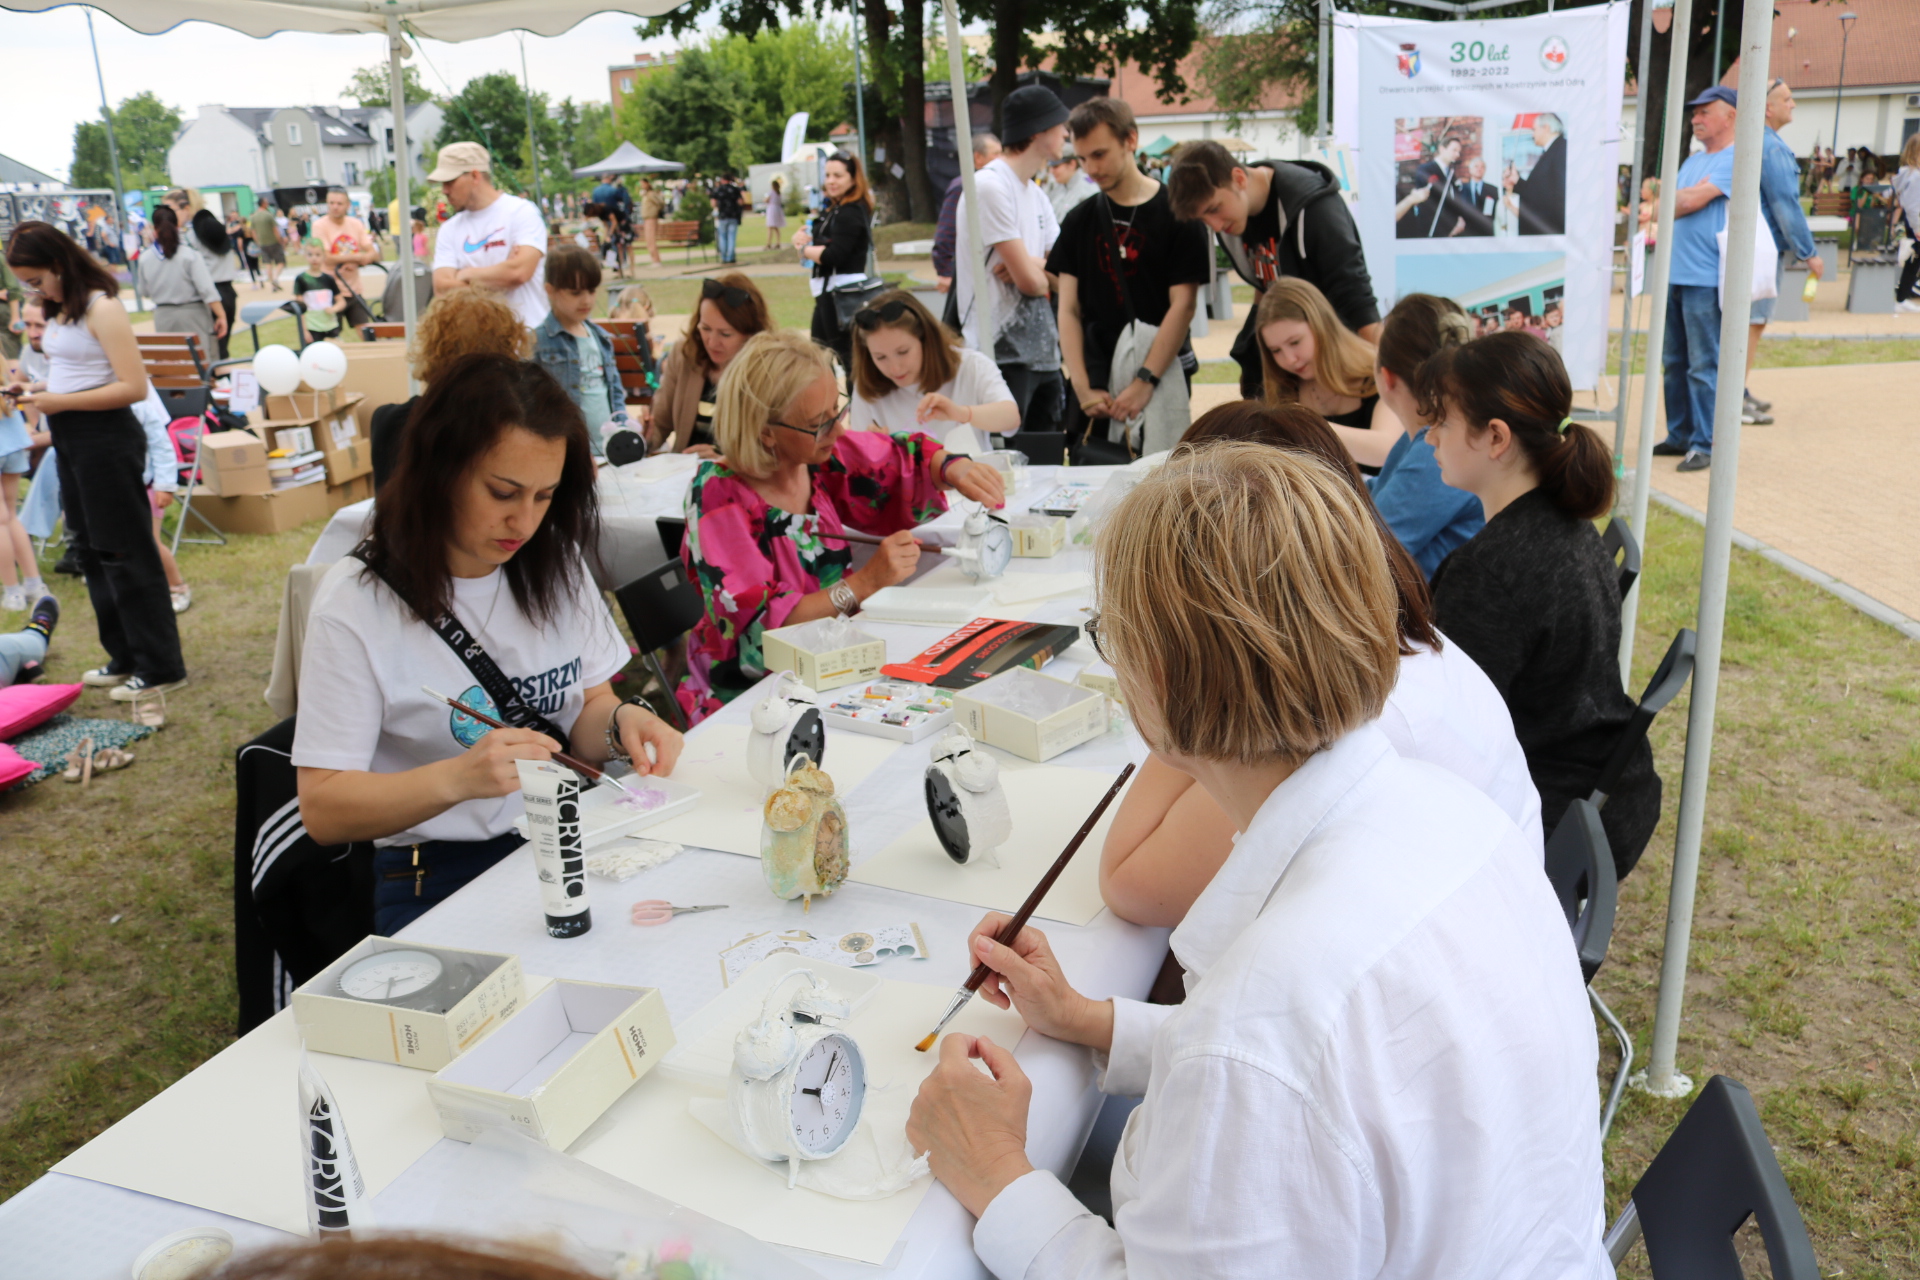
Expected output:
{"points": [[985, 546], [407, 978], [965, 800], [786, 723], [798, 1083]]}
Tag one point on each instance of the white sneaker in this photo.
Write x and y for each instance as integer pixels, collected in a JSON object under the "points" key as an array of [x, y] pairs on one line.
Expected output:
{"points": [[1908, 305], [101, 678], [138, 690], [13, 599], [182, 598]]}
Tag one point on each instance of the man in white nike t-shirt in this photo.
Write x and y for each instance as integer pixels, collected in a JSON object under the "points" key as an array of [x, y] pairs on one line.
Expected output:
{"points": [[493, 239]]}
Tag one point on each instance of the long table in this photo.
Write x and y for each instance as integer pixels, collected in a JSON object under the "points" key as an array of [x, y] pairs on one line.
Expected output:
{"points": [[68, 1228]]}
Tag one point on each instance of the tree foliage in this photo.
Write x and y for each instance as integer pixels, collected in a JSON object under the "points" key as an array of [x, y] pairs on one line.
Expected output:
{"points": [[492, 110], [143, 129], [372, 87]]}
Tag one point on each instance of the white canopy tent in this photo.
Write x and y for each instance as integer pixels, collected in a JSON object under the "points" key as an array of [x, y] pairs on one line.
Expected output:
{"points": [[627, 158], [450, 20]]}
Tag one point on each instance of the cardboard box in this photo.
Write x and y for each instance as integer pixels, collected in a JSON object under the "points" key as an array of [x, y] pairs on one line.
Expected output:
{"points": [[333, 1022], [1034, 716], [233, 463], [1099, 677], [345, 495], [348, 463], [557, 1066], [378, 372], [1038, 537], [275, 511], [331, 416], [789, 649]]}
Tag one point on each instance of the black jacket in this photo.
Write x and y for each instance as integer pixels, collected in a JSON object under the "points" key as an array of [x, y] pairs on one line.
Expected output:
{"points": [[843, 234], [1543, 193]]}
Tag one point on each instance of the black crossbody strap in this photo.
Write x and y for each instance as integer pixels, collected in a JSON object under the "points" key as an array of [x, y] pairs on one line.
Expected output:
{"points": [[485, 671]]}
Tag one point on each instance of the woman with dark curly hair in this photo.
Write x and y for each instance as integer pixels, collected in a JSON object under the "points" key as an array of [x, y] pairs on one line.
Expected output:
{"points": [[462, 323]]}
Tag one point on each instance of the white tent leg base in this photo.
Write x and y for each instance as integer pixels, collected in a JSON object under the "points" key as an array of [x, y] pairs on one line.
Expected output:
{"points": [[1679, 1085]]}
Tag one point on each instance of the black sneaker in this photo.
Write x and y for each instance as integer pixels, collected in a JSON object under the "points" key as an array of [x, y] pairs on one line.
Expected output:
{"points": [[1668, 449], [45, 616], [69, 566], [1696, 460]]}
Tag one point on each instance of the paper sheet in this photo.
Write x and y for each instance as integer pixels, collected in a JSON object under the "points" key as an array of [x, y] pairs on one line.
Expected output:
{"points": [[227, 1137], [729, 815], [650, 1139], [1048, 804]]}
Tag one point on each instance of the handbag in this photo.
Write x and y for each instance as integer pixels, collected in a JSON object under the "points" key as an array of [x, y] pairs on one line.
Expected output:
{"points": [[848, 299]]}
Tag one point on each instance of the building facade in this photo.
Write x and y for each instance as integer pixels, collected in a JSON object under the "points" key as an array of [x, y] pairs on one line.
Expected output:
{"points": [[267, 147]]}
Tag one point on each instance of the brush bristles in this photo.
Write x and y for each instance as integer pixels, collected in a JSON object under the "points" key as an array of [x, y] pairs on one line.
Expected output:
{"points": [[927, 1044]]}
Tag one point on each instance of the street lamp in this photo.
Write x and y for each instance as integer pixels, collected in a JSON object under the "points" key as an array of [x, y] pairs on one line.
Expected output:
{"points": [[1846, 30]]}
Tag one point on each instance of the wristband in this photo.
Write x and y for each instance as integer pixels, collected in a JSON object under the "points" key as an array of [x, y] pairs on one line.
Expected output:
{"points": [[615, 751], [951, 459], [843, 599], [1145, 375]]}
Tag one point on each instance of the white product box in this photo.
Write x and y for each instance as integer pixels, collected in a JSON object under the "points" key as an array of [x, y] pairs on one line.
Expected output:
{"points": [[1099, 677], [1034, 716], [427, 1038], [1038, 537], [558, 1066], [911, 713], [796, 649]]}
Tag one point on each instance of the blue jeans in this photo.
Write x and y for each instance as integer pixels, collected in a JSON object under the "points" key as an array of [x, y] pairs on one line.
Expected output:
{"points": [[727, 231], [1691, 359], [18, 649]]}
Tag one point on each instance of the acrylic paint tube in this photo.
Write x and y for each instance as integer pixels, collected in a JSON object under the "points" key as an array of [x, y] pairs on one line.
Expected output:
{"points": [[336, 1193], [552, 796]]}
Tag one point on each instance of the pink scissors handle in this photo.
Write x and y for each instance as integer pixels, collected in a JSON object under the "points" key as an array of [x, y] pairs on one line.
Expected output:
{"points": [[658, 911]]}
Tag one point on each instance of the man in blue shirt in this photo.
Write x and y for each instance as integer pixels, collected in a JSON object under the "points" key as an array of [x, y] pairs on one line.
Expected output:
{"points": [[1691, 356], [1780, 203]]}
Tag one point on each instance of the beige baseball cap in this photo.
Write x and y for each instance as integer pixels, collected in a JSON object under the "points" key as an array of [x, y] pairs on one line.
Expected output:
{"points": [[460, 157]]}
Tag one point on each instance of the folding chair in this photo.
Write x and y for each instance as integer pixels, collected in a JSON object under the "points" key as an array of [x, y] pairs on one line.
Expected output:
{"points": [[1621, 545], [252, 314], [660, 606], [1580, 868], [1668, 679], [1716, 1170], [673, 531], [183, 378]]}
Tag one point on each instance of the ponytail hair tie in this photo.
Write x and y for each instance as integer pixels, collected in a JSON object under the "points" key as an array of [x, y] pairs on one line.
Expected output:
{"points": [[1565, 423]]}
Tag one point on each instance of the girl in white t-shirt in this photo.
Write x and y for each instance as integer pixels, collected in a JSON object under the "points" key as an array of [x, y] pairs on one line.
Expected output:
{"points": [[487, 521], [909, 371]]}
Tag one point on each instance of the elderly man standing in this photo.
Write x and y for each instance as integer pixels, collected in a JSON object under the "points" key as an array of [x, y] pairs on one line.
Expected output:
{"points": [[1692, 354], [493, 238], [1542, 194], [1780, 202]]}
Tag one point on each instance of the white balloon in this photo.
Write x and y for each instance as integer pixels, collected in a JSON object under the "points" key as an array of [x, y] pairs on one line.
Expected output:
{"points": [[277, 369], [323, 365]]}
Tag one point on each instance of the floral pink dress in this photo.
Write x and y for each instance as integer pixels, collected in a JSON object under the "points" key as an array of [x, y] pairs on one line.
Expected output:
{"points": [[754, 561]]}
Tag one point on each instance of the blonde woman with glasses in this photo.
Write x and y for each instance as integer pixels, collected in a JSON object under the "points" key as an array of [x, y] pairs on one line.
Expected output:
{"points": [[764, 521], [1384, 1065]]}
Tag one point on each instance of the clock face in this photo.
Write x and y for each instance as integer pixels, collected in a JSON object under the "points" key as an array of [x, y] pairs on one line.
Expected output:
{"points": [[829, 1086], [391, 975], [808, 738], [996, 549], [949, 824]]}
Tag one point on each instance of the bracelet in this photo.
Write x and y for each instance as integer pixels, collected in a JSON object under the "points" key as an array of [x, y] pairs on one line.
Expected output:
{"points": [[951, 459], [615, 751], [843, 599]]}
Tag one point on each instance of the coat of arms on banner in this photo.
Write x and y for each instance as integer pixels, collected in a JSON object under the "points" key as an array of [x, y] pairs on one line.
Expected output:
{"points": [[1553, 54], [1410, 60]]}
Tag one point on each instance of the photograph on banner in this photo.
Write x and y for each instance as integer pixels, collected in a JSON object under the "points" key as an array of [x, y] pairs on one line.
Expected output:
{"points": [[1523, 292], [1440, 186], [1533, 173]]}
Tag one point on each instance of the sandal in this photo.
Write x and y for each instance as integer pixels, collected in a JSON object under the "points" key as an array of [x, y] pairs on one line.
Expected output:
{"points": [[107, 759], [80, 763]]}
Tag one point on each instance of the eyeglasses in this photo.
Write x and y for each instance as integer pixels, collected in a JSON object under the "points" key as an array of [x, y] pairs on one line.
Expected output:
{"points": [[872, 317], [1092, 628], [729, 294], [819, 429]]}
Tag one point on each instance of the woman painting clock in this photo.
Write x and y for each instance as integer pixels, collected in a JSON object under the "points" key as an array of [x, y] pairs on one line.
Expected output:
{"points": [[485, 524], [763, 525]]}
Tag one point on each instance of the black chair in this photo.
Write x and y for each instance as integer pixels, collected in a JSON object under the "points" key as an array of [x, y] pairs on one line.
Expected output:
{"points": [[673, 531], [1622, 545], [1668, 679], [660, 606], [1716, 1170], [1579, 865]]}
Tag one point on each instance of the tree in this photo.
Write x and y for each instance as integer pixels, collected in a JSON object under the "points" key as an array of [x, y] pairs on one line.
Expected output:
{"points": [[1094, 36], [492, 110], [684, 112], [372, 86], [143, 130]]}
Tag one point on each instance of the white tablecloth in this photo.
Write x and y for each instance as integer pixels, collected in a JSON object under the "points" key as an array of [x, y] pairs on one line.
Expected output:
{"points": [[67, 1228]]}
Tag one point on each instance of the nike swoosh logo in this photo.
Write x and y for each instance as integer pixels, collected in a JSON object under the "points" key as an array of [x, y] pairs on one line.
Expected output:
{"points": [[475, 246]]}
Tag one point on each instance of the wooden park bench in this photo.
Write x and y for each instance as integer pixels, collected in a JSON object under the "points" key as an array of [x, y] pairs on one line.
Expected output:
{"points": [[629, 359], [674, 235]]}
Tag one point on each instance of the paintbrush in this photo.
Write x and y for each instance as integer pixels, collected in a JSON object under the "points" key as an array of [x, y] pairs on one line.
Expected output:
{"points": [[1006, 936], [574, 763], [854, 535]]}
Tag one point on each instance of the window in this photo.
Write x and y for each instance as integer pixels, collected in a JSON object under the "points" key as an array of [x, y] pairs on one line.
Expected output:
{"points": [[293, 135], [349, 173], [312, 170], [389, 142], [626, 84]]}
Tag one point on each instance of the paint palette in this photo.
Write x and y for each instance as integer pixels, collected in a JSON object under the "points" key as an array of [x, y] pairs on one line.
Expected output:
{"points": [[608, 814]]}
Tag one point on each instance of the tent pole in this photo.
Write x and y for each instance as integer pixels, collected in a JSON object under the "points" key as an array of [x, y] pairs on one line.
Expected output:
{"points": [[1743, 219], [963, 145], [119, 184], [402, 181], [859, 97], [1626, 293], [1657, 298]]}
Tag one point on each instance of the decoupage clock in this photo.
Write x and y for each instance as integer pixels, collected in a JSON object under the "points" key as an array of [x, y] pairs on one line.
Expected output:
{"points": [[803, 844], [799, 1084], [786, 723], [407, 978], [965, 800], [985, 547]]}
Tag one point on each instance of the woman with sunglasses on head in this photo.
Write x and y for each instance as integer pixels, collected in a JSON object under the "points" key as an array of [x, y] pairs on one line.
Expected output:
{"points": [[910, 371], [680, 420], [838, 248], [764, 522]]}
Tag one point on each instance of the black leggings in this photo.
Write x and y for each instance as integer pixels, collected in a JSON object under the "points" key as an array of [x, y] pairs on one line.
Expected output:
{"points": [[103, 460], [1909, 274], [230, 303]]}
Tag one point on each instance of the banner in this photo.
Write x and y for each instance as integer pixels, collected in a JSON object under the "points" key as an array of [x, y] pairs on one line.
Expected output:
{"points": [[1487, 159]]}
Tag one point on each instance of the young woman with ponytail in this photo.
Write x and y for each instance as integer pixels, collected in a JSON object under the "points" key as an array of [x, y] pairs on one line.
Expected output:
{"points": [[175, 277], [1427, 515], [1534, 597]]}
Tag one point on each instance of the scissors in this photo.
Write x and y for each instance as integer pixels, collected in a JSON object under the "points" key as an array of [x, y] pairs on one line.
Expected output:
{"points": [[659, 911]]}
